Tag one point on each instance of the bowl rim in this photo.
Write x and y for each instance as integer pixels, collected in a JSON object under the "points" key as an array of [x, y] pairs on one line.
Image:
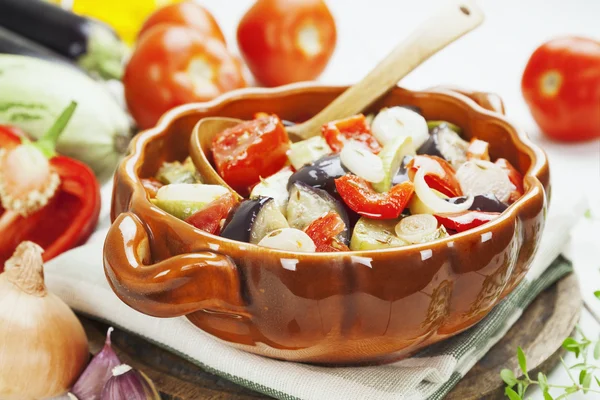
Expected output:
{"points": [[531, 178]]}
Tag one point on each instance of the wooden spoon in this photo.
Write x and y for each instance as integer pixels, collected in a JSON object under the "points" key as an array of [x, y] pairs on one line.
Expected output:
{"points": [[452, 21]]}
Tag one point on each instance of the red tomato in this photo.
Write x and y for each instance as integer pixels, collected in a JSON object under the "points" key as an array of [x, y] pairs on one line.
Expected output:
{"points": [[286, 41], [174, 65], [465, 220], [336, 133], [323, 232], [210, 217], [515, 178], [251, 150], [186, 13], [439, 175], [360, 196], [561, 85]]}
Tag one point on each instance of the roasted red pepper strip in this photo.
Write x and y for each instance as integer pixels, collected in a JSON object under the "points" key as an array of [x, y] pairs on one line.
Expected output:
{"points": [[439, 174], [209, 218], [336, 133], [515, 178], [66, 221], [463, 221], [323, 232], [360, 196]]}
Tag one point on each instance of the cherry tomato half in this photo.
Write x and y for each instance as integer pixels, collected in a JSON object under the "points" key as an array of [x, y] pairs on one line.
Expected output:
{"points": [[251, 150], [439, 175], [360, 196], [210, 218], [285, 41], [186, 13], [336, 133], [174, 65], [561, 85]]}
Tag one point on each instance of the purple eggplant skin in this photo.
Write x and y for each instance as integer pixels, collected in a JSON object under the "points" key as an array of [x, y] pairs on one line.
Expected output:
{"points": [[482, 202], [402, 175], [240, 221], [321, 174], [334, 204], [430, 147]]}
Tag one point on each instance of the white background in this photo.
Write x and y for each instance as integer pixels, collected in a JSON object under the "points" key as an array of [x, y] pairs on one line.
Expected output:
{"points": [[491, 58]]}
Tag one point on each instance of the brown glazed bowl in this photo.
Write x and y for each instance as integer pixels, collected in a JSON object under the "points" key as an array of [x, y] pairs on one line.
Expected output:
{"points": [[329, 308]]}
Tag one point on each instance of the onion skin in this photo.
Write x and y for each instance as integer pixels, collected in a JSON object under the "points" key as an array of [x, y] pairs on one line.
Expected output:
{"points": [[42, 343]]}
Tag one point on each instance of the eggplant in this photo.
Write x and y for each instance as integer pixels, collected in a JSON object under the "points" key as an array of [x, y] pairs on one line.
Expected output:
{"points": [[402, 174], [321, 174], [176, 172], [12, 43], [275, 186], [445, 143], [307, 203], [482, 202], [91, 44], [252, 220]]}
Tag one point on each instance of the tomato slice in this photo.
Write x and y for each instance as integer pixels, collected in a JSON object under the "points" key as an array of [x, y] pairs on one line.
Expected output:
{"points": [[439, 174], [478, 150], [210, 217], [463, 221], [251, 150], [515, 178], [360, 196], [323, 232], [336, 133]]}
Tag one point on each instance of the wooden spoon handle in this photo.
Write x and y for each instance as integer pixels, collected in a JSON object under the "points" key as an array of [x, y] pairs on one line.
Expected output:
{"points": [[455, 19]]}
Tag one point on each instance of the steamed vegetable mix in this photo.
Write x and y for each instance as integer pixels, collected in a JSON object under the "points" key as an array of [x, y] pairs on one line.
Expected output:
{"points": [[94, 46], [397, 181], [33, 94], [47, 198]]}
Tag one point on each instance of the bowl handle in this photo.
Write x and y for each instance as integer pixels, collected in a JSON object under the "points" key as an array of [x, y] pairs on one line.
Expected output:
{"points": [[489, 101], [177, 286]]}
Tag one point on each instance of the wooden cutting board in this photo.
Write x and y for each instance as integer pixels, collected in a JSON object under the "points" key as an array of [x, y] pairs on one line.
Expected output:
{"points": [[540, 332]]}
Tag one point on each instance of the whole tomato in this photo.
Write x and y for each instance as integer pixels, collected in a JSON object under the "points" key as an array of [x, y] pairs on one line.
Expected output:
{"points": [[174, 65], [187, 13], [561, 85], [285, 41]]}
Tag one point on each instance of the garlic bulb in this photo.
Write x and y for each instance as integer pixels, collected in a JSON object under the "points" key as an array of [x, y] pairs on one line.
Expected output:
{"points": [[43, 347], [90, 384], [128, 384], [400, 121]]}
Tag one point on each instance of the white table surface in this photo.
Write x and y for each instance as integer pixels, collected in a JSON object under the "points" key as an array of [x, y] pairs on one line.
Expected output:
{"points": [[491, 58]]}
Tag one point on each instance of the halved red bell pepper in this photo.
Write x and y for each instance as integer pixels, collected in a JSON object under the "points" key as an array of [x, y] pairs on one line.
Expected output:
{"points": [[336, 133], [515, 178], [439, 175], [323, 232], [209, 218], [465, 220], [360, 196], [68, 214]]}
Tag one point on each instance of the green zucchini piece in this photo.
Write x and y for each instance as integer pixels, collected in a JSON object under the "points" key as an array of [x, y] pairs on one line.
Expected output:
{"points": [[308, 151], [434, 124], [181, 209], [371, 234], [176, 172]]}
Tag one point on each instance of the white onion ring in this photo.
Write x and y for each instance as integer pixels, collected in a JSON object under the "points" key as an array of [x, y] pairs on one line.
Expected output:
{"points": [[431, 200]]}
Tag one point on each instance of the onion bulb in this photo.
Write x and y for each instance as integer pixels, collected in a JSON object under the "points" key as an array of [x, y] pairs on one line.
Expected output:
{"points": [[479, 177], [289, 239], [433, 201], [400, 121], [361, 162], [415, 228], [43, 347]]}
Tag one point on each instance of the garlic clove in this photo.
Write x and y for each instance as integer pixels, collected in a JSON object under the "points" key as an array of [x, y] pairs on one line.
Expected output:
{"points": [[127, 383], [98, 372]]}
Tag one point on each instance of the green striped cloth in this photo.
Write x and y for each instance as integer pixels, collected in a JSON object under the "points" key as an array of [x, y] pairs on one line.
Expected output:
{"points": [[78, 278]]}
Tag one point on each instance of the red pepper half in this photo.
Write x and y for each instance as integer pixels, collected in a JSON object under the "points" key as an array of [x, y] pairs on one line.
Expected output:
{"points": [[209, 218], [360, 196], [439, 175], [336, 133], [465, 220], [323, 232], [71, 212], [515, 178]]}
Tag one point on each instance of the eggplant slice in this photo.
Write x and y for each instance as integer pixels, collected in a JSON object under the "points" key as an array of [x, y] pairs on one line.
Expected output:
{"points": [[254, 219]]}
